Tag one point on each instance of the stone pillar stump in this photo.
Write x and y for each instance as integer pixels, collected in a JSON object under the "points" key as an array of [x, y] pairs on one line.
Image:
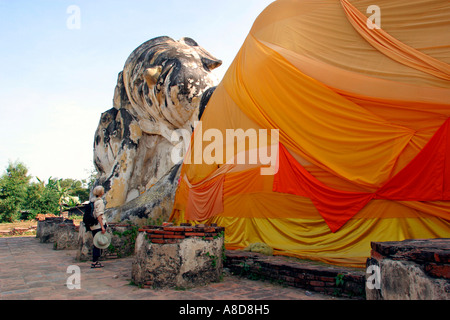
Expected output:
{"points": [[178, 257]]}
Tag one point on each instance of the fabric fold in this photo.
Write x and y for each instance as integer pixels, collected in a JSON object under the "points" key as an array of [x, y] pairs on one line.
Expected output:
{"points": [[394, 48], [425, 178], [364, 131], [335, 206]]}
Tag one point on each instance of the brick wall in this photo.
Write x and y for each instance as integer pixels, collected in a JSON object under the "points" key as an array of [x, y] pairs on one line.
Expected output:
{"points": [[171, 234], [326, 279]]}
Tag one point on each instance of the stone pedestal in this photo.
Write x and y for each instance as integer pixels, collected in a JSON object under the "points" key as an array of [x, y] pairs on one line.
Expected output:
{"points": [[178, 257], [66, 236], [45, 231], [409, 270]]}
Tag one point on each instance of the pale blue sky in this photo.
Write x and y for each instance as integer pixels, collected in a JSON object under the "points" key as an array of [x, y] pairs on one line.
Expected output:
{"points": [[55, 81]]}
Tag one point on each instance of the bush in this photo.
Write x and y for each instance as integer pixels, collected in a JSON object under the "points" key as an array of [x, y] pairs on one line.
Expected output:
{"points": [[13, 190], [18, 195]]}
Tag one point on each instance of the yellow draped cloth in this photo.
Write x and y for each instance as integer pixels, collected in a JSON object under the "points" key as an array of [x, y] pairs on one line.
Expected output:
{"points": [[353, 105]]}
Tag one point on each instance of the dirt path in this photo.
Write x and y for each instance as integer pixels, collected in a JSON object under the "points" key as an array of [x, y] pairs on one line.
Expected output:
{"points": [[19, 224]]}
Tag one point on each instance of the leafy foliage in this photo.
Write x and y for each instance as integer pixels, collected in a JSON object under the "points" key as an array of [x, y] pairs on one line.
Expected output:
{"points": [[13, 190], [18, 193]]}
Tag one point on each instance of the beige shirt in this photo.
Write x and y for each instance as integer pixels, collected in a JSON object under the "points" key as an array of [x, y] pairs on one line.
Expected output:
{"points": [[99, 209]]}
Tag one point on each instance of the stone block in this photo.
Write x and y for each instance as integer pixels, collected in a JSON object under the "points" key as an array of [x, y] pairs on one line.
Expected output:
{"points": [[410, 270], [45, 231], [177, 263], [65, 237]]}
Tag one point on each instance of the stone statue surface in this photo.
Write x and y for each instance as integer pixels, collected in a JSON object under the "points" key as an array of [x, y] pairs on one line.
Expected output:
{"points": [[164, 86]]}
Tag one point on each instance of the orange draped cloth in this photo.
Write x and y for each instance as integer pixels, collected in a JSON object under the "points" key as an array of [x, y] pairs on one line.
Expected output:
{"points": [[394, 48], [425, 178], [363, 120]]}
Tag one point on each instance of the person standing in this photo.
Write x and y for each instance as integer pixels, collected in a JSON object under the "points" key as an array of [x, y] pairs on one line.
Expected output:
{"points": [[99, 209]]}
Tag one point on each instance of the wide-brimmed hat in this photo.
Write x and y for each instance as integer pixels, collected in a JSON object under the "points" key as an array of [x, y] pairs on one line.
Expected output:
{"points": [[101, 240]]}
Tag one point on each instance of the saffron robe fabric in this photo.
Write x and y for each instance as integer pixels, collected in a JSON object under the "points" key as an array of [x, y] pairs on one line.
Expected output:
{"points": [[363, 119]]}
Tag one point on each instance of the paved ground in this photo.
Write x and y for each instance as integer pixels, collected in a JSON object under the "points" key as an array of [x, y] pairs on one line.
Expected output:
{"points": [[32, 270]]}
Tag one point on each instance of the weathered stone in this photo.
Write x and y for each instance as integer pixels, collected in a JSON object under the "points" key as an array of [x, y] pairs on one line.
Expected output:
{"points": [[164, 86], [45, 231], [185, 264], [122, 241], [65, 237], [154, 205], [418, 250], [410, 270], [85, 242]]}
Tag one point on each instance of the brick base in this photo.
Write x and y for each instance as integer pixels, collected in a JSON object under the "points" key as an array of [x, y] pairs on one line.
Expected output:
{"points": [[410, 270], [171, 234], [327, 279]]}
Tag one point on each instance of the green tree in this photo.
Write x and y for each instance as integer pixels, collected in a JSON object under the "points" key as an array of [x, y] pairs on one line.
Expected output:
{"points": [[55, 196], [13, 190], [18, 193], [77, 189], [65, 197], [33, 199], [42, 197]]}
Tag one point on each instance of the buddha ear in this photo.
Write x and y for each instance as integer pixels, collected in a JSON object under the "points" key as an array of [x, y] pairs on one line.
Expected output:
{"points": [[151, 75], [208, 60], [212, 63], [189, 41]]}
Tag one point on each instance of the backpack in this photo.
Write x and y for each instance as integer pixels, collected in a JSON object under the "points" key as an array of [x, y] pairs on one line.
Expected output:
{"points": [[88, 217]]}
